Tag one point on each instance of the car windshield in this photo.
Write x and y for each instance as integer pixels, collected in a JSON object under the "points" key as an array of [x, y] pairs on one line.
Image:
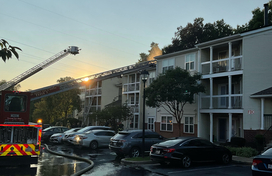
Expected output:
{"points": [[267, 152], [172, 142], [71, 130], [47, 129], [85, 129]]}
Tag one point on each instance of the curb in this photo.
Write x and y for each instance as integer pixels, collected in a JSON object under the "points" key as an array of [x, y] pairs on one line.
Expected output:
{"points": [[124, 161]]}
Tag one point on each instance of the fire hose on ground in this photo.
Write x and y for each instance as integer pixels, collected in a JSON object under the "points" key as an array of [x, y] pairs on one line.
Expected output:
{"points": [[76, 158]]}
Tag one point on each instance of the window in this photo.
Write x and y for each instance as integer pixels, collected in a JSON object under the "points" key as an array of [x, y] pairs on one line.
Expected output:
{"points": [[150, 125], [189, 125], [166, 123], [151, 77], [15, 103], [167, 65], [190, 62]]}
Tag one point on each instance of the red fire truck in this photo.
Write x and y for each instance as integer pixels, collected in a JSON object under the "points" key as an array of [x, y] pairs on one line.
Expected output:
{"points": [[20, 140]]}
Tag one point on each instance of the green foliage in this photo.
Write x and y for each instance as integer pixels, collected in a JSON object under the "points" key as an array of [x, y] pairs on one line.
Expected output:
{"points": [[6, 50], [197, 32], [111, 115], [57, 107], [243, 151]]}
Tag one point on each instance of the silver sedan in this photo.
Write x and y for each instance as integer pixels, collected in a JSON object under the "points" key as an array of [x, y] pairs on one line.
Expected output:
{"points": [[94, 138]]}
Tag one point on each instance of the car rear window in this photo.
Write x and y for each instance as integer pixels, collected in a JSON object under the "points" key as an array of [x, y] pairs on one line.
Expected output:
{"points": [[172, 142], [267, 152], [121, 135]]}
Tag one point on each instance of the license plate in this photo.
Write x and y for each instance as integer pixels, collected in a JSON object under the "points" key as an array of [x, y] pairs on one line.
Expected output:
{"points": [[269, 166], [157, 152]]}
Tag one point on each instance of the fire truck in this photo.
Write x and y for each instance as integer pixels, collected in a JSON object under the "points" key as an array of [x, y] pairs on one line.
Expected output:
{"points": [[20, 140]]}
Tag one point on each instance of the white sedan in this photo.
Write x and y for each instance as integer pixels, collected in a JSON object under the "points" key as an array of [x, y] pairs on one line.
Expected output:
{"points": [[94, 138], [57, 138]]}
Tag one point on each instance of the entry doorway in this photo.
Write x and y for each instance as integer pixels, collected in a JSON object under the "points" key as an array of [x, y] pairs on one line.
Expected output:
{"points": [[222, 129]]}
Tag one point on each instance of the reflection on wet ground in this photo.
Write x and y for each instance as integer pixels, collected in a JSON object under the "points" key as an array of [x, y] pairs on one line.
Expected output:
{"points": [[106, 163]]}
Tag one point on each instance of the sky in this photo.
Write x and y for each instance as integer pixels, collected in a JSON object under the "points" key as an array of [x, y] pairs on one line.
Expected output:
{"points": [[110, 33]]}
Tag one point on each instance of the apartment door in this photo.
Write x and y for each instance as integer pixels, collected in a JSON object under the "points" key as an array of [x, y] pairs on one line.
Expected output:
{"points": [[222, 129]]}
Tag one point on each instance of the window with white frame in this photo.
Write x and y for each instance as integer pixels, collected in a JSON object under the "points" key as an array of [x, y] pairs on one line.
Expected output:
{"points": [[151, 77], [166, 123], [189, 125], [150, 125], [190, 61], [167, 65]]}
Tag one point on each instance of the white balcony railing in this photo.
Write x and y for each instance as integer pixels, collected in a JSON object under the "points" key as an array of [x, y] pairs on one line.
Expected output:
{"points": [[221, 102], [131, 87], [222, 65]]}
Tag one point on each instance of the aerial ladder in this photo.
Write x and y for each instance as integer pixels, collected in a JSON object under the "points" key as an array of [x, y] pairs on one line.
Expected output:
{"points": [[70, 50]]}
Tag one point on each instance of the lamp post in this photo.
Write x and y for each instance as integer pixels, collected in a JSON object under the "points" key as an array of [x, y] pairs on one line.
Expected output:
{"points": [[144, 74]]}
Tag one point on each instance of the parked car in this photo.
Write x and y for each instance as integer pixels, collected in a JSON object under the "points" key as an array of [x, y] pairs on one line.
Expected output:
{"points": [[48, 132], [67, 138], [186, 150], [57, 138], [262, 164], [130, 142], [93, 139]]}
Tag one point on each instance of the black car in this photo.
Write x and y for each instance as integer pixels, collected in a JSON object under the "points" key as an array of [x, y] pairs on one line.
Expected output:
{"points": [[186, 150], [48, 132], [262, 164], [130, 142]]}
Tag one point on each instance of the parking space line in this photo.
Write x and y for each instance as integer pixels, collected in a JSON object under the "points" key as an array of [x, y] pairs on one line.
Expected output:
{"points": [[219, 167]]}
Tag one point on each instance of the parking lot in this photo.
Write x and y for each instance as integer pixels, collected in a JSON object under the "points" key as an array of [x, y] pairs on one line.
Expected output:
{"points": [[108, 164]]}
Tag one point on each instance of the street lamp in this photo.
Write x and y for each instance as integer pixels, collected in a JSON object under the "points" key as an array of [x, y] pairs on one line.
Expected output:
{"points": [[144, 74]]}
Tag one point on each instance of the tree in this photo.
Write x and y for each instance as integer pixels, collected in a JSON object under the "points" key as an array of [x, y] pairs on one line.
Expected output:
{"points": [[111, 115], [58, 107], [7, 50], [13, 88], [187, 37], [173, 90]]}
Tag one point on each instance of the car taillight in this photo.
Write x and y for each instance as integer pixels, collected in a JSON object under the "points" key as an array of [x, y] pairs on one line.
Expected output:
{"points": [[151, 149], [122, 141], [82, 137], [256, 162], [169, 150]]}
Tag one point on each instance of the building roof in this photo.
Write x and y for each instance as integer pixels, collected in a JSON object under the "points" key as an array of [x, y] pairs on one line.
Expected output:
{"points": [[263, 93]]}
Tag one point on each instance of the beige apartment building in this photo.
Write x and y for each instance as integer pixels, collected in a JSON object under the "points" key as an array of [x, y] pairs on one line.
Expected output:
{"points": [[236, 71]]}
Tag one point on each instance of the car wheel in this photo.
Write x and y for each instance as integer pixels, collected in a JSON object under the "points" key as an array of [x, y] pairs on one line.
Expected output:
{"points": [[225, 158], [93, 145], [186, 161], [134, 152]]}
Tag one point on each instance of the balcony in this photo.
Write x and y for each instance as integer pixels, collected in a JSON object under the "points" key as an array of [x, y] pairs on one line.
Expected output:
{"points": [[131, 87], [222, 65], [93, 92], [222, 102], [134, 108]]}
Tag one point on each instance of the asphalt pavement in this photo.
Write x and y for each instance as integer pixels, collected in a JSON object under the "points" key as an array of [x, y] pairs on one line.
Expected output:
{"points": [[235, 159]]}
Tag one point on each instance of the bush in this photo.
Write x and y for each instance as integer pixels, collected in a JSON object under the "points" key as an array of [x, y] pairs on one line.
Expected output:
{"points": [[238, 142], [243, 151]]}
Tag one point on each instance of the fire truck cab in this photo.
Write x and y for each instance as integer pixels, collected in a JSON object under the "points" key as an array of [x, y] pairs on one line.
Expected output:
{"points": [[20, 140]]}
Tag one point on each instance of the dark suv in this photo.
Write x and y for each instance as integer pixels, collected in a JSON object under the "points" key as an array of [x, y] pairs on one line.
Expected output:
{"points": [[130, 142]]}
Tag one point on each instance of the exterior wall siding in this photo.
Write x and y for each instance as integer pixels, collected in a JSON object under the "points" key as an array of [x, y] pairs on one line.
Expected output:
{"points": [[257, 68]]}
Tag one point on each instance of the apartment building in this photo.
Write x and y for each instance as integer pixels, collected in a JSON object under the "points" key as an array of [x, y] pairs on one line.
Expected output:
{"points": [[118, 86], [165, 123], [236, 73]]}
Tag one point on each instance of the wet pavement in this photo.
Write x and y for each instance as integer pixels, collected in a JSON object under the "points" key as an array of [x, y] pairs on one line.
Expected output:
{"points": [[106, 163]]}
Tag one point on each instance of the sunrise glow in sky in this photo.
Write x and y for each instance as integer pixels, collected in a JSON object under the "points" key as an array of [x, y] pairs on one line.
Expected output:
{"points": [[110, 33]]}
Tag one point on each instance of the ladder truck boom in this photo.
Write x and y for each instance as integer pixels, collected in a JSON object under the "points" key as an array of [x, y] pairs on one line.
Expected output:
{"points": [[70, 50]]}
